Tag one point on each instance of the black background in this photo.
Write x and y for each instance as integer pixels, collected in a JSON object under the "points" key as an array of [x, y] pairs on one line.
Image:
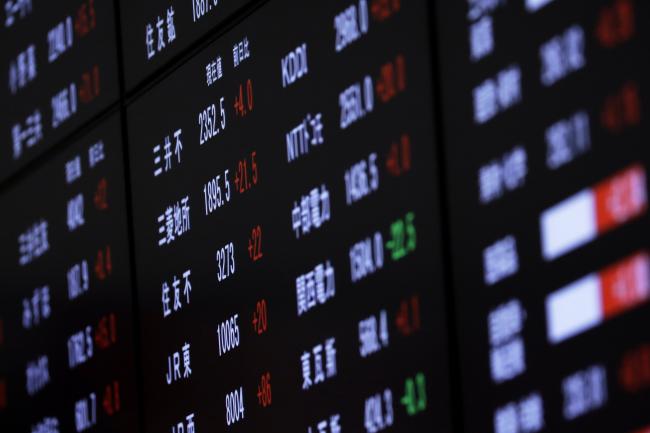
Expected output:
{"points": [[97, 48], [474, 226], [144, 101]]}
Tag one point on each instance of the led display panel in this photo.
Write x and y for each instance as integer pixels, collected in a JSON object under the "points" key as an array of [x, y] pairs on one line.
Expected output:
{"points": [[59, 62], [66, 321], [286, 227], [545, 138]]}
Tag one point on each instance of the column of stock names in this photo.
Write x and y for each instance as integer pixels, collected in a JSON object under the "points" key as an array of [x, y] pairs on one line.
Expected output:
{"points": [[286, 227], [66, 332], [544, 102], [59, 63]]}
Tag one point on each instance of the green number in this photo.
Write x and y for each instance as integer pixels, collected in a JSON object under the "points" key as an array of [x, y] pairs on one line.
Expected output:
{"points": [[415, 394], [403, 237]]}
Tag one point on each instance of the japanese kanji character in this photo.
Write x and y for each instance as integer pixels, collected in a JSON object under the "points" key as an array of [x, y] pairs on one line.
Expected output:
{"points": [[177, 294], [185, 210], [305, 361], [187, 371], [301, 295], [316, 130], [178, 220], [179, 145], [324, 204], [168, 154], [169, 224], [330, 284], [305, 215], [165, 299], [149, 41], [295, 219], [319, 374], [319, 277], [310, 289], [187, 289], [161, 33], [330, 357], [171, 28], [314, 204]]}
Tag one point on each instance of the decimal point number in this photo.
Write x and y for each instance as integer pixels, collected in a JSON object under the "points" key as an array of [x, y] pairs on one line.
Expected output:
{"points": [[244, 99], [209, 121], [247, 173]]}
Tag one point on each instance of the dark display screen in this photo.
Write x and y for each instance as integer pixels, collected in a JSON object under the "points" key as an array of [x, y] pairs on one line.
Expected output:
{"points": [[59, 64], [296, 260], [67, 317], [544, 104], [323, 217]]}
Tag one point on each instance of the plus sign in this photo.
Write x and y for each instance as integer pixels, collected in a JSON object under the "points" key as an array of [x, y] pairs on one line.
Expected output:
{"points": [[255, 321]]}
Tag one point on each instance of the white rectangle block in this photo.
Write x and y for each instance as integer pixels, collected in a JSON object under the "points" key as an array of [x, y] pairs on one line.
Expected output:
{"points": [[568, 225], [574, 309], [535, 5]]}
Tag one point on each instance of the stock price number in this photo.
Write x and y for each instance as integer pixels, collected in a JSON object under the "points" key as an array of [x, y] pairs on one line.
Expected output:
{"points": [[225, 262], [208, 122], [234, 406], [202, 7], [228, 335], [213, 198]]}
